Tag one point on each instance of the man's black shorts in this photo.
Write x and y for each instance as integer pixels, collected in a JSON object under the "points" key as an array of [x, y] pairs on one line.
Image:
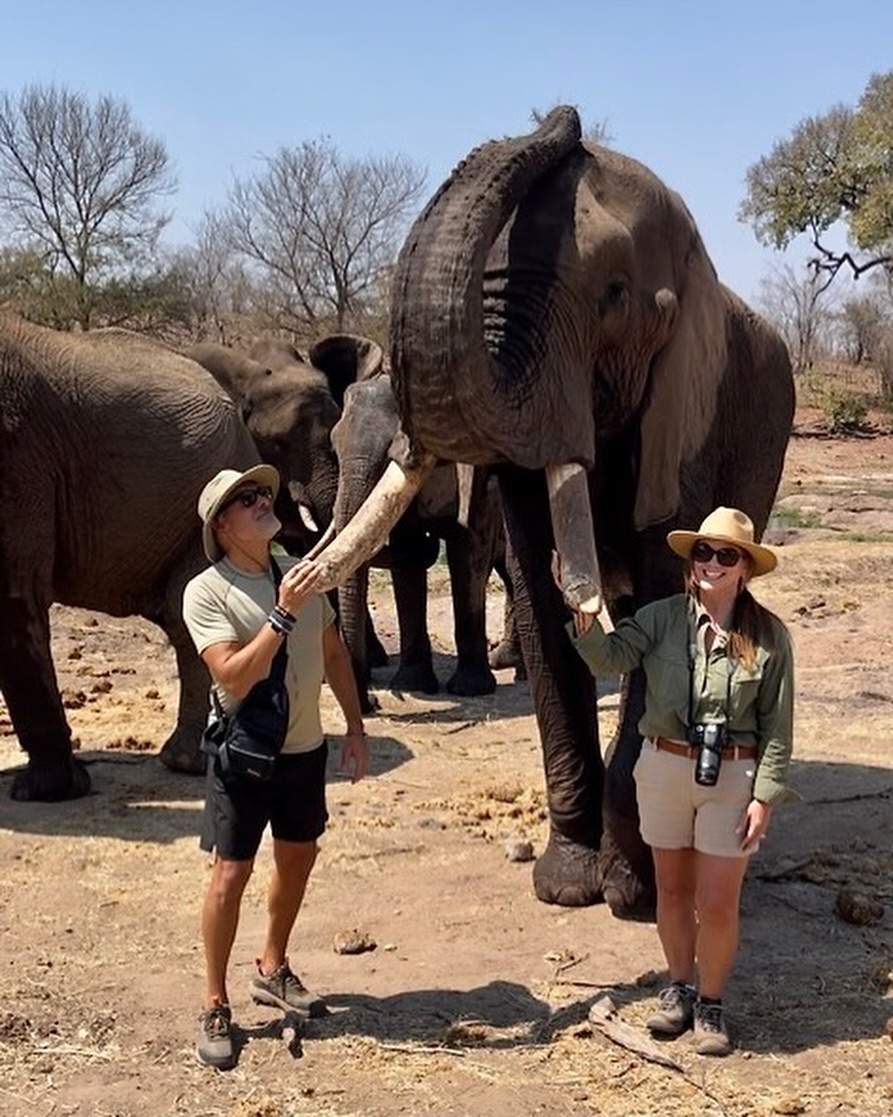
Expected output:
{"points": [[293, 802]]}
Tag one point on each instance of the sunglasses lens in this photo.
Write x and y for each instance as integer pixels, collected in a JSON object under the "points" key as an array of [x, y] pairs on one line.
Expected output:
{"points": [[725, 556], [249, 497]]}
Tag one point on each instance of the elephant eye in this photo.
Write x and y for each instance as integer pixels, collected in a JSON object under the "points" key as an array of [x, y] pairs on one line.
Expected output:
{"points": [[615, 296]]}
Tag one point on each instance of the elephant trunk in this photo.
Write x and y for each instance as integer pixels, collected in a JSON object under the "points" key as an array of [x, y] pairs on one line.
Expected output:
{"points": [[367, 531], [459, 400], [455, 399]]}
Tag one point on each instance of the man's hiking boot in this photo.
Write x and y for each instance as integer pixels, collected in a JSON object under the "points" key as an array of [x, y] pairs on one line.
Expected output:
{"points": [[215, 1044], [676, 1011], [285, 990], [711, 1037]]}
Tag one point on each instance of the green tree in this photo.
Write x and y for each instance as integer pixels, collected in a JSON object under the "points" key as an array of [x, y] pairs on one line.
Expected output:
{"points": [[79, 186], [835, 167]]}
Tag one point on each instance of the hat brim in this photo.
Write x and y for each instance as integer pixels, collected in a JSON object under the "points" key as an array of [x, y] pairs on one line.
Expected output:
{"points": [[763, 558], [264, 475]]}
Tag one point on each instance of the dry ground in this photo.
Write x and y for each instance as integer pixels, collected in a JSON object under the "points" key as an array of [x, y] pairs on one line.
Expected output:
{"points": [[476, 997]]}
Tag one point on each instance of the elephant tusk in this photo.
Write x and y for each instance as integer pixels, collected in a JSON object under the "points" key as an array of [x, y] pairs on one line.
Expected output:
{"points": [[575, 542], [307, 519], [324, 540], [367, 531], [464, 486]]}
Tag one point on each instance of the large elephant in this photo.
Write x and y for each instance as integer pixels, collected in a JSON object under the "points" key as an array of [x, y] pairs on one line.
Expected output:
{"points": [[106, 439], [555, 315], [474, 541]]}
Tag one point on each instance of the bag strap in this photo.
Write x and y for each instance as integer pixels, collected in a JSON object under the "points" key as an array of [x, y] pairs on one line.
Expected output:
{"points": [[277, 667]]}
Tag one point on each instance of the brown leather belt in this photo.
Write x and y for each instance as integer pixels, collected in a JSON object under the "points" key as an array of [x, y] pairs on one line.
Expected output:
{"points": [[729, 752]]}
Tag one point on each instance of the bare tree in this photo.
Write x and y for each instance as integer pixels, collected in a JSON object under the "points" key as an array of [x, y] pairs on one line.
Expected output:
{"points": [[321, 228], [863, 323], [79, 185], [798, 305], [223, 294]]}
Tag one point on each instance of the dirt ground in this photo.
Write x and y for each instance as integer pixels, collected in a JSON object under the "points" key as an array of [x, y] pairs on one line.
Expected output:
{"points": [[476, 998]]}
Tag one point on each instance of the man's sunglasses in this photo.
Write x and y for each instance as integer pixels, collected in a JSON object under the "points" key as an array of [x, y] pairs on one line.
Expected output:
{"points": [[725, 556], [249, 497]]}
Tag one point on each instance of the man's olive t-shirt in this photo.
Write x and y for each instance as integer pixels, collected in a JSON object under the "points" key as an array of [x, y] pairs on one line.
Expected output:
{"points": [[225, 605]]}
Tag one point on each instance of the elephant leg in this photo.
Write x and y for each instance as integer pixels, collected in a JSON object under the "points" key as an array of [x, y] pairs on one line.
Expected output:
{"points": [[468, 557], [507, 652], [627, 867], [376, 653], [567, 872], [28, 682], [181, 751], [416, 670]]}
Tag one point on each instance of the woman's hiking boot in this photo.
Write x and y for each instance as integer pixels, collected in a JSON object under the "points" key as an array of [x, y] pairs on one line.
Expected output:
{"points": [[675, 1012]]}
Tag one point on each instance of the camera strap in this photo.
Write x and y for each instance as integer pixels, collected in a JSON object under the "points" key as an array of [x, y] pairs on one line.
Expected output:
{"points": [[695, 624]]}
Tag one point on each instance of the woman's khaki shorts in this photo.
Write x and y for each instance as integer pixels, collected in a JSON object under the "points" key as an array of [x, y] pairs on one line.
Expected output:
{"points": [[677, 813]]}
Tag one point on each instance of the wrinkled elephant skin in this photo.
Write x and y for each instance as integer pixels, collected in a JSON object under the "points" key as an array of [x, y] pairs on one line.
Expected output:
{"points": [[106, 441]]}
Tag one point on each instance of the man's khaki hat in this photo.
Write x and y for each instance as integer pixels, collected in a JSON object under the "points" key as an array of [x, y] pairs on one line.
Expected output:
{"points": [[215, 494]]}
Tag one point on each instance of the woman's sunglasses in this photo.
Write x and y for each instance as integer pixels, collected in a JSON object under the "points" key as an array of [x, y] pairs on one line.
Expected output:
{"points": [[249, 497], [725, 556]]}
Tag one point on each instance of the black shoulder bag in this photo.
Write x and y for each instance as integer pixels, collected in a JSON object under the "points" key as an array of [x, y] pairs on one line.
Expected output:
{"points": [[246, 743]]}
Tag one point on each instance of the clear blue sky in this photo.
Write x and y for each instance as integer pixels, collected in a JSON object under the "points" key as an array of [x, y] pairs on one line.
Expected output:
{"points": [[697, 90]]}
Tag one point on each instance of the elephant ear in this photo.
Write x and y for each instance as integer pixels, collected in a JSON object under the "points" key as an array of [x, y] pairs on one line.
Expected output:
{"points": [[346, 359], [684, 384]]}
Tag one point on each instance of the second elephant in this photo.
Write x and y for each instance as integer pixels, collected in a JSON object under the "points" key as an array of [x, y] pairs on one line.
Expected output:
{"points": [[364, 439]]}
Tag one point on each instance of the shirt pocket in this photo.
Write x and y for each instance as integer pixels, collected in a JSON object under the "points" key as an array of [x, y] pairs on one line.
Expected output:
{"points": [[668, 682], [745, 691]]}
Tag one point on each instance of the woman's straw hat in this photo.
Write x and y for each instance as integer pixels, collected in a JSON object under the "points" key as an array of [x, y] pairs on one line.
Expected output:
{"points": [[728, 525]]}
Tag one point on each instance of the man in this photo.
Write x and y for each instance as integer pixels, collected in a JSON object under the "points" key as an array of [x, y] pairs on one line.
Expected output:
{"points": [[238, 621]]}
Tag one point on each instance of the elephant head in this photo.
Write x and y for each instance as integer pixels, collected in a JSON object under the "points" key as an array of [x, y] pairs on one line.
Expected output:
{"points": [[290, 405]]}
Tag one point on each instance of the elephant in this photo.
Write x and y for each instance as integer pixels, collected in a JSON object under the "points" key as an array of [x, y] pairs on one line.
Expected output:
{"points": [[555, 316], [362, 438], [290, 404], [105, 443]]}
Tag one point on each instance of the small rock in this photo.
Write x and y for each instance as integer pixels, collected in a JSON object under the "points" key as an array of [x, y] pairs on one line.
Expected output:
{"points": [[352, 942], [518, 850], [789, 1106], [857, 908]]}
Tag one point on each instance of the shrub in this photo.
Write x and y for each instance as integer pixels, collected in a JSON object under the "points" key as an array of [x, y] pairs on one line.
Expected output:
{"points": [[846, 412]]}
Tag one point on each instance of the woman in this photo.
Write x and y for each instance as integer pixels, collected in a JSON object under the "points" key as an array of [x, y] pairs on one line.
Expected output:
{"points": [[717, 732]]}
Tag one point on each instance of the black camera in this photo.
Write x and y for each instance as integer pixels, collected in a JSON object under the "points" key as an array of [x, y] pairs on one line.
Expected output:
{"points": [[708, 737]]}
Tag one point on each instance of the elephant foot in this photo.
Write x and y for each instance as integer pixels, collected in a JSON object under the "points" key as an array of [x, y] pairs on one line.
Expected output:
{"points": [[568, 874], [369, 704], [418, 678], [51, 784], [505, 654], [471, 681], [628, 887], [181, 753]]}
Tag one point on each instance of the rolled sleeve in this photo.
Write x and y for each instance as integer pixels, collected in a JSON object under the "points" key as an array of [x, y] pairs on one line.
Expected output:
{"points": [[775, 724]]}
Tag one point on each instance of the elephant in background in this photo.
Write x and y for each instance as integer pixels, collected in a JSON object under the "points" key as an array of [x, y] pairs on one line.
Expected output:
{"points": [[556, 317], [106, 441], [290, 404], [363, 439]]}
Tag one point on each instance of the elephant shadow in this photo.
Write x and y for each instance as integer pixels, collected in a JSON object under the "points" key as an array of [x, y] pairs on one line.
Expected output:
{"points": [[136, 798]]}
